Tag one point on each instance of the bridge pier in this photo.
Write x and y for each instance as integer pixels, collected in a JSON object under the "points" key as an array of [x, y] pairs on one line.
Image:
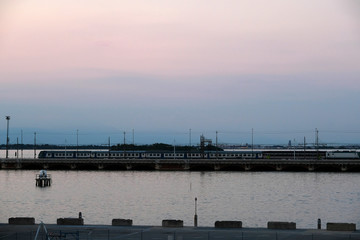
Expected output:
{"points": [[217, 167], [311, 167], [344, 168], [247, 167], [186, 166], [18, 166]]}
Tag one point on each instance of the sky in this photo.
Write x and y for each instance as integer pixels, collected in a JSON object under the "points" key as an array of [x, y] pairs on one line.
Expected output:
{"points": [[252, 70]]}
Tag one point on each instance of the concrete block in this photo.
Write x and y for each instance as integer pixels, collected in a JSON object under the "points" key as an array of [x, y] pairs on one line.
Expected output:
{"points": [[70, 221], [22, 221], [172, 223], [228, 224], [281, 225], [122, 222], [341, 226]]}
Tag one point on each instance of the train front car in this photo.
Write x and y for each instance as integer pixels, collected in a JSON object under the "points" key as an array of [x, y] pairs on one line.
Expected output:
{"points": [[342, 154], [43, 154]]}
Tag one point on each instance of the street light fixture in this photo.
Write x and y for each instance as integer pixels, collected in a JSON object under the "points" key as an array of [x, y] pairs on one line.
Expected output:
{"points": [[7, 136]]}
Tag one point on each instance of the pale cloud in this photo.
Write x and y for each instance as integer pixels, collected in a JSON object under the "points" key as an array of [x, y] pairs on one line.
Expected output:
{"points": [[182, 38]]}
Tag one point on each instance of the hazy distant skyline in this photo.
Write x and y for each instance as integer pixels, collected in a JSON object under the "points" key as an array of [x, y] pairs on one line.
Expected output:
{"points": [[162, 67]]}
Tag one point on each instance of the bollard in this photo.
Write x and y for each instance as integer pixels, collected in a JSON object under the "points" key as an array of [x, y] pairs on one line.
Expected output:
{"points": [[319, 223]]}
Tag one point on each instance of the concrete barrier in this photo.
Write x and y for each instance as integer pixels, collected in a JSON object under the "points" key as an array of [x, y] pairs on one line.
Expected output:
{"points": [[228, 224], [341, 226], [70, 221], [172, 223], [122, 222], [281, 225], [22, 221]]}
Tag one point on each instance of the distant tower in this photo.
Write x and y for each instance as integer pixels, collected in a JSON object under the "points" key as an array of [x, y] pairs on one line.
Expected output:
{"points": [[289, 145], [203, 140]]}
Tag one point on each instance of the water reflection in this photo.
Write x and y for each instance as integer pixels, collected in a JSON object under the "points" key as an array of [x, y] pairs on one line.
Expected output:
{"points": [[148, 197]]}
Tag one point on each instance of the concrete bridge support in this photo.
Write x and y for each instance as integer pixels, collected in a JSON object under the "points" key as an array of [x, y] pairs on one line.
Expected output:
{"points": [[247, 167], [344, 167], [279, 167], [186, 166], [217, 167], [311, 167]]}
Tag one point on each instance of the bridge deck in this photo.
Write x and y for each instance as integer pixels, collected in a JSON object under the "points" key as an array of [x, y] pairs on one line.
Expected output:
{"points": [[183, 164]]}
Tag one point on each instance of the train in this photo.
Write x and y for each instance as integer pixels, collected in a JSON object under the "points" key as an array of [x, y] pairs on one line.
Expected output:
{"points": [[244, 154], [150, 155]]}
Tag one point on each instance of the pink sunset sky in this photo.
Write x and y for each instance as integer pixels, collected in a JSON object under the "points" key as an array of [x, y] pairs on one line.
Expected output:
{"points": [[282, 67]]}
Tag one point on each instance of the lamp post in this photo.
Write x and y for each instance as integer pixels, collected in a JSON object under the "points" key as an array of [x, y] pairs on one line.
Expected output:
{"points": [[195, 216], [7, 136], [34, 145]]}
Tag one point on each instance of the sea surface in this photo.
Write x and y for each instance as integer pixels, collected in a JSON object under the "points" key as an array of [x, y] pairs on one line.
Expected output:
{"points": [[148, 197]]}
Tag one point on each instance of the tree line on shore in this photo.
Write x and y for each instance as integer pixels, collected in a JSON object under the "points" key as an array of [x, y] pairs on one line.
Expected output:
{"points": [[118, 147]]}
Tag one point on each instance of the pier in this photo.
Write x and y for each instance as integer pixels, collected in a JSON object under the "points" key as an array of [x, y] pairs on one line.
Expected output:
{"points": [[43, 179], [324, 165]]}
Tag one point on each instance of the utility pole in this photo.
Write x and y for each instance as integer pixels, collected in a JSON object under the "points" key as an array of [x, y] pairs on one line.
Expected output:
{"points": [[17, 148], [124, 143], [22, 145], [217, 144], [7, 136], [189, 143], [77, 142], [109, 146], [252, 141], [304, 147], [294, 149], [34, 144], [317, 142], [133, 141], [174, 149]]}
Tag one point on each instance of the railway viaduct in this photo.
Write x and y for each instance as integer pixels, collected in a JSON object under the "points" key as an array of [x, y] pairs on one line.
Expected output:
{"points": [[341, 165]]}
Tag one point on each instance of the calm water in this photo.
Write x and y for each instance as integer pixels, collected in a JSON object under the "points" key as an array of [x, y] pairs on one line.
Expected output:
{"points": [[148, 197]]}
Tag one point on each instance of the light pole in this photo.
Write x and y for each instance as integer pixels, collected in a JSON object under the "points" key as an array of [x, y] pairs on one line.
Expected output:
{"points": [[34, 145], [7, 136], [195, 216], [294, 149], [77, 142]]}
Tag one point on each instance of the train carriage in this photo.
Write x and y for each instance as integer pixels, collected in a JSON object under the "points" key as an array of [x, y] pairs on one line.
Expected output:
{"points": [[345, 154]]}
